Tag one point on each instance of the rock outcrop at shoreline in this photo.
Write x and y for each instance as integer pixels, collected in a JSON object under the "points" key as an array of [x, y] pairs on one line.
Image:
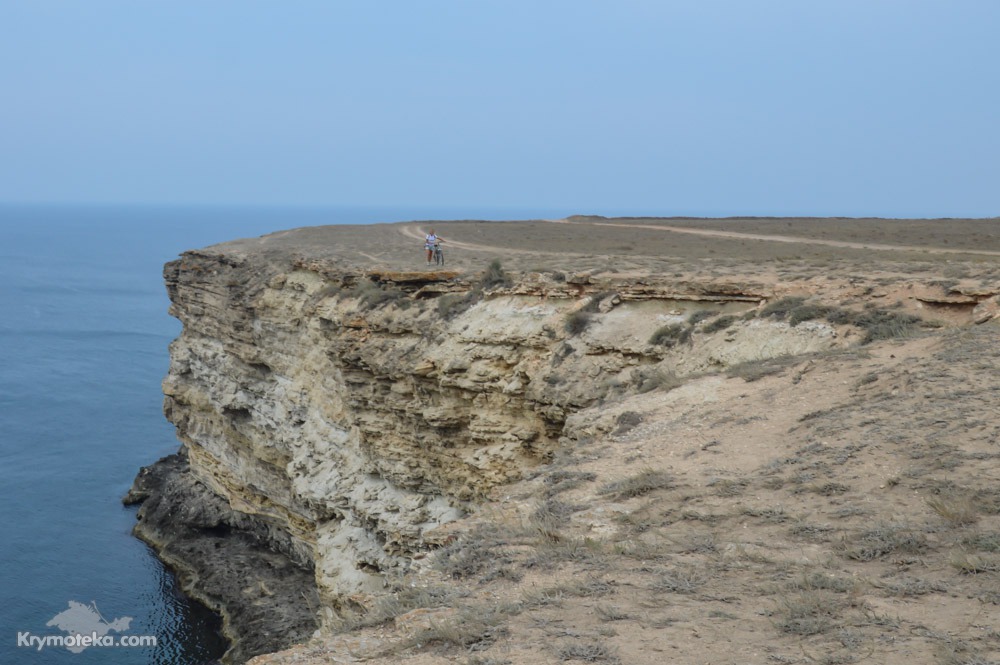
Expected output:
{"points": [[335, 421]]}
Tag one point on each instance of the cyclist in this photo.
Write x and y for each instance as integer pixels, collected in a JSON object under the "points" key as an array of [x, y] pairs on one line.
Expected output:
{"points": [[430, 240]]}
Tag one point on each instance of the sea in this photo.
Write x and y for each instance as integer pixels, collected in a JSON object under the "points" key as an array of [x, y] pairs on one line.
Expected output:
{"points": [[84, 332]]}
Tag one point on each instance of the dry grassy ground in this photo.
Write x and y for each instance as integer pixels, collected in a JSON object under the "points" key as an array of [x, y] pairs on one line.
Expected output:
{"points": [[839, 508]]}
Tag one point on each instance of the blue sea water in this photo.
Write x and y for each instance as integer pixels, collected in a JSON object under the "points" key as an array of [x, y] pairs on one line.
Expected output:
{"points": [[83, 348]]}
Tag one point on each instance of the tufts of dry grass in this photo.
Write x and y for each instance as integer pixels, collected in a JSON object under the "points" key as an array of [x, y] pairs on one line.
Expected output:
{"points": [[483, 554], [955, 510], [646, 481], [671, 335], [390, 606], [588, 652], [683, 580], [809, 613], [885, 539]]}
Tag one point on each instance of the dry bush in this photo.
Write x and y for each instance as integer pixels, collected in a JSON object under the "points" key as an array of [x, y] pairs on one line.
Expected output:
{"points": [[806, 312], [972, 564], [678, 580], [774, 515], [822, 581], [371, 295], [481, 553], [453, 304], [611, 613], [576, 322], [389, 606], [987, 541], [562, 481], [697, 317], [646, 481], [657, 379], [671, 335], [626, 421], [554, 551], [720, 323], [956, 510], [593, 306], [779, 309], [809, 613], [472, 628], [754, 370], [885, 539], [911, 587], [494, 276], [589, 653]]}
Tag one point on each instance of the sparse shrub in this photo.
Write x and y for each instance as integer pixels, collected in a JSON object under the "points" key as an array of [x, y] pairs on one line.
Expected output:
{"points": [[472, 628], [808, 613], [645, 482], [596, 300], [479, 660], [806, 312], [577, 322], [877, 324], [451, 305], [811, 531], [988, 541], [840, 317], [910, 586], [775, 515], [678, 580], [958, 652], [389, 606], [728, 486], [697, 317], [552, 515], [955, 510], [626, 421], [657, 379], [611, 613], [563, 481], [976, 563], [554, 551], [588, 653], [494, 276], [754, 370], [371, 295], [720, 323], [880, 324], [885, 539], [779, 309], [480, 553], [670, 335], [822, 581]]}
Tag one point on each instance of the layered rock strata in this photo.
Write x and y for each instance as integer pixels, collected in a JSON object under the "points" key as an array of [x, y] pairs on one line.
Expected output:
{"points": [[335, 421]]}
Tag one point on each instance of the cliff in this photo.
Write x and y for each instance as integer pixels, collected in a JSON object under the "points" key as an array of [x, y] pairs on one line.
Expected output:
{"points": [[339, 421]]}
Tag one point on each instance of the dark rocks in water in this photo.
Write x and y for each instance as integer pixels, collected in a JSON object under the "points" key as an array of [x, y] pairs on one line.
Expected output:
{"points": [[224, 559]]}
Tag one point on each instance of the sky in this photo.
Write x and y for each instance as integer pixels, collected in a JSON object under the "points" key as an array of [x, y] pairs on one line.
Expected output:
{"points": [[700, 107]]}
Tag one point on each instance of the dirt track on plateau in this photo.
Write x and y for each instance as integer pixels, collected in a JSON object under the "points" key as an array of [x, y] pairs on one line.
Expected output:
{"points": [[417, 232]]}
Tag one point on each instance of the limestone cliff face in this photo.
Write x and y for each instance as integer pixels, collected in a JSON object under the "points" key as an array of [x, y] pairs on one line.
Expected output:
{"points": [[347, 417]]}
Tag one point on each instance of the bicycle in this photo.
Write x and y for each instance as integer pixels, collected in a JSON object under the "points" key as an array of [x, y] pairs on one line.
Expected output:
{"points": [[438, 254]]}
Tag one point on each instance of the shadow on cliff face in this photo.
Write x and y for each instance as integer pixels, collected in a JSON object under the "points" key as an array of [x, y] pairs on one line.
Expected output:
{"points": [[224, 559]]}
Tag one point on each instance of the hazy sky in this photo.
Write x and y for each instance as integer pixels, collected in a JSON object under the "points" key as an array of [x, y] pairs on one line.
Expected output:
{"points": [[823, 107]]}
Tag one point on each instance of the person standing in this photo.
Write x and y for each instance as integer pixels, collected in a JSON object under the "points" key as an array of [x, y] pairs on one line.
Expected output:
{"points": [[430, 240]]}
